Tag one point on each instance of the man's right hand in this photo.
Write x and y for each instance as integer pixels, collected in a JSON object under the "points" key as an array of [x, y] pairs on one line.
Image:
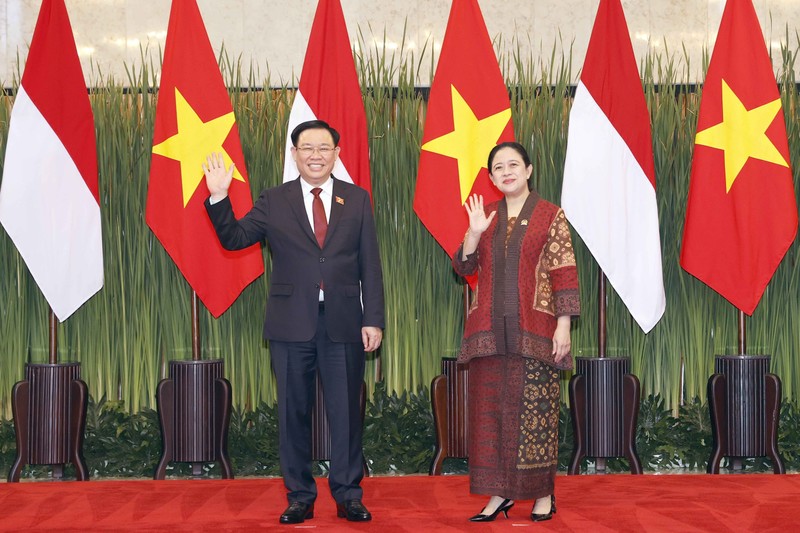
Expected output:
{"points": [[218, 179]]}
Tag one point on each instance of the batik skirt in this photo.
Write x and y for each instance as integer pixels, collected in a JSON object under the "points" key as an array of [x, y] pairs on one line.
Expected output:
{"points": [[513, 427]]}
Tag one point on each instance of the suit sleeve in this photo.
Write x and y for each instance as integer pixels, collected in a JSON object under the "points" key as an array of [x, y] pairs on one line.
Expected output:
{"points": [[236, 234], [370, 270]]}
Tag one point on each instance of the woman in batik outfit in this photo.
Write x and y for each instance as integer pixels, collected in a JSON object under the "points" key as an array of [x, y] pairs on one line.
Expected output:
{"points": [[517, 337]]}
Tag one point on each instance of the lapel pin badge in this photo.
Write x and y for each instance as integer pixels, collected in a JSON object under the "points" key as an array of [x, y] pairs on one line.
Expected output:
{"points": [[339, 200], [523, 222]]}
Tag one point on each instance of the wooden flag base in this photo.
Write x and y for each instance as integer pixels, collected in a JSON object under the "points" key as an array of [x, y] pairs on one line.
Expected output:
{"points": [[745, 402], [604, 402], [449, 396], [49, 408], [194, 409]]}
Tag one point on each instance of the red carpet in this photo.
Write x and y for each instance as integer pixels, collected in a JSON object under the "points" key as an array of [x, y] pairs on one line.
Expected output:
{"points": [[587, 503]]}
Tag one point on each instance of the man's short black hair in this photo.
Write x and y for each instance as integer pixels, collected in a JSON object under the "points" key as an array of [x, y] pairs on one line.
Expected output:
{"points": [[314, 125]]}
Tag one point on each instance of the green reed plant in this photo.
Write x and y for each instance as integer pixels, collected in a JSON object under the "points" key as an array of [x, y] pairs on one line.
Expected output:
{"points": [[670, 104], [424, 310], [777, 331], [261, 116]]}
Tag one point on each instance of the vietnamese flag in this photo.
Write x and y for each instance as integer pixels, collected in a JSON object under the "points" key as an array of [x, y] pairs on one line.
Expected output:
{"points": [[49, 199], [609, 188], [194, 118], [468, 114], [741, 214], [329, 91]]}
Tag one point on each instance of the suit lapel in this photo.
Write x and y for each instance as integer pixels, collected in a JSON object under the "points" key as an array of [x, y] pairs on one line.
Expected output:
{"points": [[337, 207], [294, 197]]}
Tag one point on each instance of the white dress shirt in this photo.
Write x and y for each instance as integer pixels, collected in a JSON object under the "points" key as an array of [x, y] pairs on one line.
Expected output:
{"points": [[326, 195]]}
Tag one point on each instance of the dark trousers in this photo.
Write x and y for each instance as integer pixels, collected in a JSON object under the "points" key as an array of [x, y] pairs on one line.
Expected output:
{"points": [[341, 370]]}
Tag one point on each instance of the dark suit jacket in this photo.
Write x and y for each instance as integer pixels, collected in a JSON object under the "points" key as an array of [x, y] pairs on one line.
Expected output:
{"points": [[348, 263]]}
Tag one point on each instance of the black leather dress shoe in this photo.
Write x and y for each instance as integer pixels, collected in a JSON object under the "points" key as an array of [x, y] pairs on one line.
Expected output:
{"points": [[297, 512], [353, 510]]}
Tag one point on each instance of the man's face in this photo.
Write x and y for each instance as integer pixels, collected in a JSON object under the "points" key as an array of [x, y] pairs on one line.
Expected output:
{"points": [[315, 155]]}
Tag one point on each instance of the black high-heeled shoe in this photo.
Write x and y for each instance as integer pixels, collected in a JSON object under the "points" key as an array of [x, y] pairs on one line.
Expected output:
{"points": [[502, 508], [546, 516]]}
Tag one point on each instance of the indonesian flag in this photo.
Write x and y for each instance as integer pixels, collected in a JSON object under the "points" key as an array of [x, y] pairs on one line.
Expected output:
{"points": [[468, 114], [194, 118], [329, 91], [609, 187], [741, 214], [49, 199]]}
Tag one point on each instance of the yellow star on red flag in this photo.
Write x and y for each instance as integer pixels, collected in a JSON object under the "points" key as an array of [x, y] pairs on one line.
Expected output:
{"points": [[742, 134], [194, 141], [470, 141]]}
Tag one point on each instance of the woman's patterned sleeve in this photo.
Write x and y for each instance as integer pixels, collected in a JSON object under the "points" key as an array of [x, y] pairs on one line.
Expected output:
{"points": [[560, 261], [466, 267]]}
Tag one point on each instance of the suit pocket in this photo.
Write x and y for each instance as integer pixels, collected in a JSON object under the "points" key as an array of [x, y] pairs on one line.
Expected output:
{"points": [[281, 289]]}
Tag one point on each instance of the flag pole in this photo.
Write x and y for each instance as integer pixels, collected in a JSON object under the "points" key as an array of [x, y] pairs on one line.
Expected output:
{"points": [[195, 327], [53, 329], [58, 469], [742, 334], [601, 315]]}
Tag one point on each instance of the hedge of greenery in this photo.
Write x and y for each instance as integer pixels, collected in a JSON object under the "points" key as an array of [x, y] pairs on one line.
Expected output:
{"points": [[124, 445]]}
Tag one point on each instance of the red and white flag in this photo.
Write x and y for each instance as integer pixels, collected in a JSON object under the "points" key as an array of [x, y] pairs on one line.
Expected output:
{"points": [[329, 91], [609, 188], [49, 199]]}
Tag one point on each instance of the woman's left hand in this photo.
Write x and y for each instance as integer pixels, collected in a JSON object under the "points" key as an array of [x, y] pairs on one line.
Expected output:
{"points": [[561, 339]]}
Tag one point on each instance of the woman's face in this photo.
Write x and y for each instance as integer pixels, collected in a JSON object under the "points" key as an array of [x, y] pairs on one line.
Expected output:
{"points": [[509, 173]]}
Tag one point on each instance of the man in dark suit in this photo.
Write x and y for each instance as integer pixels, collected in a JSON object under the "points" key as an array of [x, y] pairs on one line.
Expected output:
{"points": [[324, 310]]}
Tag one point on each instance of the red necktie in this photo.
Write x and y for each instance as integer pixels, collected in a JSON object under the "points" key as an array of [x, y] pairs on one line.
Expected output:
{"points": [[320, 221]]}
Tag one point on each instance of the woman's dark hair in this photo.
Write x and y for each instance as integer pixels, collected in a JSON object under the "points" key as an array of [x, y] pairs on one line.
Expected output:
{"points": [[313, 125], [517, 147]]}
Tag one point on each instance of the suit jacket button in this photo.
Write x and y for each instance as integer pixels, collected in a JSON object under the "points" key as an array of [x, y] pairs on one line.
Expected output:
{"points": [[321, 259]]}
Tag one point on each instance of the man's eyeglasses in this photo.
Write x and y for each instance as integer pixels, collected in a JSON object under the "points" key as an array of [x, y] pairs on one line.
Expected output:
{"points": [[323, 150]]}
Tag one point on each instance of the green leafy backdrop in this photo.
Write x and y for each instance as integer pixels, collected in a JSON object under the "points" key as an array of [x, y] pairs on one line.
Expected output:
{"points": [[141, 319]]}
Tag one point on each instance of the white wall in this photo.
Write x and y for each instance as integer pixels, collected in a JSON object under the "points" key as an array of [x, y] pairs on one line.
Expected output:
{"points": [[272, 34]]}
